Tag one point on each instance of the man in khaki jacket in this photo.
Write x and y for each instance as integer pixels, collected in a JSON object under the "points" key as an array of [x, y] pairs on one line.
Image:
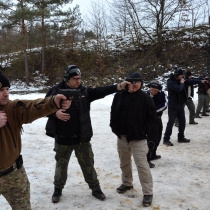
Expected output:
{"points": [[14, 184]]}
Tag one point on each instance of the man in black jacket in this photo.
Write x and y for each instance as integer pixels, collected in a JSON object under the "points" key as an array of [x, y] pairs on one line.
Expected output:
{"points": [[133, 118], [72, 130], [177, 98], [190, 94]]}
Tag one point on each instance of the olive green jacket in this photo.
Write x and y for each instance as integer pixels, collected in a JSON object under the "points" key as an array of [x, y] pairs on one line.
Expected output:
{"points": [[19, 112]]}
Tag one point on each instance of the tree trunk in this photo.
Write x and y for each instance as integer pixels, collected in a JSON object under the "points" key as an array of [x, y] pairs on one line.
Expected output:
{"points": [[43, 46], [24, 49]]}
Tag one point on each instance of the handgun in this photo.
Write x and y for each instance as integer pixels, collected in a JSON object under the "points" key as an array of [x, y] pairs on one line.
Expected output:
{"points": [[73, 93], [132, 81]]}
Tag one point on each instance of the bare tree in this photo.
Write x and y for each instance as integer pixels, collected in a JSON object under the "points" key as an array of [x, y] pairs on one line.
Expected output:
{"points": [[97, 22], [145, 17]]}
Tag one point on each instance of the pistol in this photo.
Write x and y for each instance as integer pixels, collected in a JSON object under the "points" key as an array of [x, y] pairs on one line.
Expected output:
{"points": [[74, 93]]}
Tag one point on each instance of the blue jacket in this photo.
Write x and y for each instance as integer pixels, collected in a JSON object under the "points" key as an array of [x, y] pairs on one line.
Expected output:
{"points": [[160, 101], [177, 92]]}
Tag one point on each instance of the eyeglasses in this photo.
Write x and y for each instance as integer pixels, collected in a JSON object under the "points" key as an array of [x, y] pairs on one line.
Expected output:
{"points": [[76, 79]]}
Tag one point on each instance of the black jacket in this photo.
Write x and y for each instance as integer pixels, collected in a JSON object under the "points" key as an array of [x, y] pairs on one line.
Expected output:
{"points": [[195, 81], [87, 96], [177, 92], [141, 117]]}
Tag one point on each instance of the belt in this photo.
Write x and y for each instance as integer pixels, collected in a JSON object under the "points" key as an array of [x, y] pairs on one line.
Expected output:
{"points": [[70, 137], [8, 170]]}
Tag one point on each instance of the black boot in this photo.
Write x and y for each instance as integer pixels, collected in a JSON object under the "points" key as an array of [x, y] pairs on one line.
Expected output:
{"points": [[56, 195], [99, 194], [147, 200], [122, 188], [183, 140], [151, 165]]}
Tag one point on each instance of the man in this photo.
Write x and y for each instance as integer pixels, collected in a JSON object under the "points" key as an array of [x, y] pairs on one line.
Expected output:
{"points": [[72, 130], [202, 96], [14, 184], [190, 94], [160, 100], [133, 118], [177, 98]]}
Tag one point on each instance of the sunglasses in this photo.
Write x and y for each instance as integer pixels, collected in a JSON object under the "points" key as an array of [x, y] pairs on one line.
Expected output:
{"points": [[134, 82]]}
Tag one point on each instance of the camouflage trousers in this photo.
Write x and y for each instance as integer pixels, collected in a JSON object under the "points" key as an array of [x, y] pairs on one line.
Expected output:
{"points": [[85, 159], [15, 187]]}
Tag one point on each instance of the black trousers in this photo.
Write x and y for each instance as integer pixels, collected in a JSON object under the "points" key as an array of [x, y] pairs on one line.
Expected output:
{"points": [[153, 145], [174, 113]]}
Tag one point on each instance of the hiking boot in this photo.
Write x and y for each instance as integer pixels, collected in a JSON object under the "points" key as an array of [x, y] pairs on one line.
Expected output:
{"points": [[205, 115], [122, 188], [99, 194], [56, 195], [168, 143], [151, 165], [183, 140], [194, 123], [147, 200], [155, 157]]}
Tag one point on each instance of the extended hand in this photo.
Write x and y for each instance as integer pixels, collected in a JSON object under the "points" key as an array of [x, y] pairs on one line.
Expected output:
{"points": [[204, 81], [61, 98]]}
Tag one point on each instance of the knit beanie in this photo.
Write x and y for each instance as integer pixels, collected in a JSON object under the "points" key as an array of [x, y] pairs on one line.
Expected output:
{"points": [[4, 82], [178, 71], [187, 74]]}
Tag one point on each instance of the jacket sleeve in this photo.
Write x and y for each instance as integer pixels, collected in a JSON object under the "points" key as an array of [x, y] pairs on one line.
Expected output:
{"points": [[163, 102], [192, 81], [150, 122], [30, 110], [174, 86], [101, 92]]}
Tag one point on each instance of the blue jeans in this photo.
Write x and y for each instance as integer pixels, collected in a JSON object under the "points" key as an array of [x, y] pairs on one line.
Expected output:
{"points": [[174, 113]]}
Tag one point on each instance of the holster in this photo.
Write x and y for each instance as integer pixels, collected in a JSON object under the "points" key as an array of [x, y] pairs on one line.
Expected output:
{"points": [[19, 162]]}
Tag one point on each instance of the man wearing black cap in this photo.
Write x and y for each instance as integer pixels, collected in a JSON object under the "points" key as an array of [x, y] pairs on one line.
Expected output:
{"points": [[72, 130], [177, 98], [14, 184], [133, 118]]}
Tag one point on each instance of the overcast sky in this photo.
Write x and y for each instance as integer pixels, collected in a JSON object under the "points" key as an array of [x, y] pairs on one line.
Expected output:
{"points": [[83, 4]]}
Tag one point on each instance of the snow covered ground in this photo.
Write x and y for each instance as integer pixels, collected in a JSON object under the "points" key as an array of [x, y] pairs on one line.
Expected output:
{"points": [[181, 176]]}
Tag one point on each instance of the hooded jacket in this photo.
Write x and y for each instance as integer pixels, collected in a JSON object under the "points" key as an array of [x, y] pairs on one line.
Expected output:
{"points": [[19, 112]]}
